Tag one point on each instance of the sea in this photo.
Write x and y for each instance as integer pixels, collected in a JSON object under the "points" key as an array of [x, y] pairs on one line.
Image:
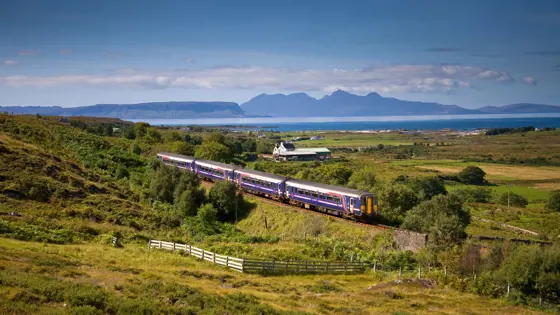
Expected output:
{"points": [[436, 122]]}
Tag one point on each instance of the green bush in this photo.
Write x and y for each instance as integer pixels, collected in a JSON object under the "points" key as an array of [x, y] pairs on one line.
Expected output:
{"points": [[444, 218], [478, 194], [515, 200], [85, 295], [122, 172], [426, 188], [553, 203], [472, 175]]}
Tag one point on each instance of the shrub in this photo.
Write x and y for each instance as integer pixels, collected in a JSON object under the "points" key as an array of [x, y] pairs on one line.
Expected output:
{"points": [[514, 200], [426, 188], [478, 194], [443, 217], [83, 295], [554, 201], [472, 175], [122, 172], [223, 196]]}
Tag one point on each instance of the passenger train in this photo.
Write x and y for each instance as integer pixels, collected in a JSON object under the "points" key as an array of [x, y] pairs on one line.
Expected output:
{"points": [[340, 201]]}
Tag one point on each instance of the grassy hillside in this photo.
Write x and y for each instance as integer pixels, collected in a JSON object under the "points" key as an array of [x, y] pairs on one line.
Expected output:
{"points": [[67, 187], [58, 279]]}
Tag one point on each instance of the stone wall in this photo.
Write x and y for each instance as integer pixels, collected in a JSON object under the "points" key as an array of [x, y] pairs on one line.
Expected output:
{"points": [[408, 240]]}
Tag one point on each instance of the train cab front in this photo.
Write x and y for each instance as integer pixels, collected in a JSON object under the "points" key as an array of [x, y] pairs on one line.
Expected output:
{"points": [[368, 207]]}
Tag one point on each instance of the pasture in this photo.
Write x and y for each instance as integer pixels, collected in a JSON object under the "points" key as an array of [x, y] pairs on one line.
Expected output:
{"points": [[36, 276]]}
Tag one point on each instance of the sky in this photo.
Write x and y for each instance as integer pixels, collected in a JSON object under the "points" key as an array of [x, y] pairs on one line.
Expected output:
{"points": [[470, 53]]}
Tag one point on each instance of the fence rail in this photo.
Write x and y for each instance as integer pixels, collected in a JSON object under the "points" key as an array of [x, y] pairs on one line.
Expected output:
{"points": [[262, 265], [227, 261]]}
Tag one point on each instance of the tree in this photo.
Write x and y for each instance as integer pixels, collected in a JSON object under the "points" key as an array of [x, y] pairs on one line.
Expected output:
{"points": [[533, 271], [135, 148], [363, 179], [174, 136], [215, 137], [264, 147], [394, 201], [162, 185], [335, 174], [140, 129], [554, 201], [128, 132], [249, 145], [214, 151], [223, 196], [237, 148], [184, 148], [108, 131], [207, 214], [443, 218], [514, 200], [426, 188], [472, 175], [152, 135], [188, 181], [187, 203]]}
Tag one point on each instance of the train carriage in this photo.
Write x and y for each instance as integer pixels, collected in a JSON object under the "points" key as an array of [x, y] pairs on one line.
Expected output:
{"points": [[337, 200], [178, 160], [215, 170], [260, 183]]}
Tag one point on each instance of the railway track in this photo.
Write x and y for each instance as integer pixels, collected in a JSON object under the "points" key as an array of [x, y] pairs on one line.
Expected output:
{"points": [[318, 213]]}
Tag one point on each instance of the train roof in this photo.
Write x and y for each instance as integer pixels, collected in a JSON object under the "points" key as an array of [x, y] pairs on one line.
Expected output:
{"points": [[229, 167], [261, 175], [177, 156], [305, 184]]}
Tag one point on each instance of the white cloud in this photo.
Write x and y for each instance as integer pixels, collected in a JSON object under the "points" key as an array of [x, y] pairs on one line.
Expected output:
{"points": [[27, 52], [529, 80], [386, 79], [65, 51], [10, 62], [189, 60]]}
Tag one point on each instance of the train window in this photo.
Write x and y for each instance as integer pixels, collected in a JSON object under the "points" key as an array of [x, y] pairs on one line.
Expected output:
{"points": [[299, 191], [314, 195], [336, 199], [329, 198]]}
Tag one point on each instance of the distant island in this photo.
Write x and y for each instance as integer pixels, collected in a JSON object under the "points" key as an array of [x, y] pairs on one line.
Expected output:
{"points": [[338, 104]]}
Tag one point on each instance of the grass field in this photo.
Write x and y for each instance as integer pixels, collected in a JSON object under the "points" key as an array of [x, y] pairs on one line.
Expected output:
{"points": [[333, 140], [133, 279]]}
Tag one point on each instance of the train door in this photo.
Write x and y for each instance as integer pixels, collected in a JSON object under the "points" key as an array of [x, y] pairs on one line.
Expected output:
{"points": [[351, 205]]}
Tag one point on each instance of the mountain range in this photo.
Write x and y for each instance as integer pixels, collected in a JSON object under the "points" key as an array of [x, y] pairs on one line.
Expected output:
{"points": [[154, 110], [341, 103], [337, 104]]}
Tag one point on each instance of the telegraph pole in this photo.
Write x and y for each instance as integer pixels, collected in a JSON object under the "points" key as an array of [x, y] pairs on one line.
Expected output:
{"points": [[235, 207], [508, 194]]}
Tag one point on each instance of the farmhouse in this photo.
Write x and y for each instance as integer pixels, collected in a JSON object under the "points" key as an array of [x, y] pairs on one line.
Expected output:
{"points": [[285, 151]]}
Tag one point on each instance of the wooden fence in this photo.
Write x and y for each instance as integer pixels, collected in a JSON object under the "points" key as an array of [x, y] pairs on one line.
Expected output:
{"points": [[227, 261], [262, 265]]}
